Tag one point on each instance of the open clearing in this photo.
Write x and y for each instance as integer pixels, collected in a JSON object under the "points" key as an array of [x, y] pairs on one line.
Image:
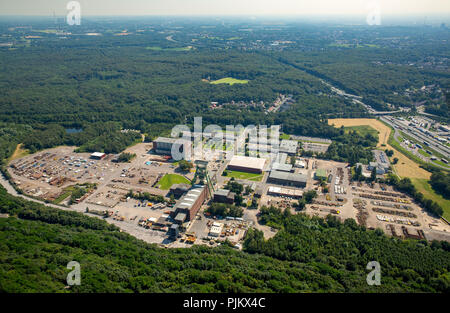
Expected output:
{"points": [[383, 130], [405, 166], [424, 187], [170, 179], [229, 80], [362, 130]]}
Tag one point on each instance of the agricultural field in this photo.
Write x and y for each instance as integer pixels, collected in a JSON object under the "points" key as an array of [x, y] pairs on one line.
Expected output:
{"points": [[243, 175], [229, 80], [405, 166], [170, 179]]}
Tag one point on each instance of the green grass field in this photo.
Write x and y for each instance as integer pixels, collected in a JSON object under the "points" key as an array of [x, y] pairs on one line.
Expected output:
{"points": [[243, 175], [229, 80], [424, 187], [363, 130], [170, 179], [424, 153], [69, 190], [439, 162], [285, 137], [63, 196]]}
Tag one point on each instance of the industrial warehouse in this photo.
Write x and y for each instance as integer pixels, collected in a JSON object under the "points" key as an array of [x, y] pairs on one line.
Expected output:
{"points": [[285, 192], [247, 164], [289, 147], [287, 179], [189, 204], [166, 146]]}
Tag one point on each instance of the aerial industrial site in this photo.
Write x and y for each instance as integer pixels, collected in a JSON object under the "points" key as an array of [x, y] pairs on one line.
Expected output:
{"points": [[155, 199]]}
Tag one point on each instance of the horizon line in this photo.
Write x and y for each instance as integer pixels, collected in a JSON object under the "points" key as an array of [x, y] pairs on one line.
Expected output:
{"points": [[239, 15]]}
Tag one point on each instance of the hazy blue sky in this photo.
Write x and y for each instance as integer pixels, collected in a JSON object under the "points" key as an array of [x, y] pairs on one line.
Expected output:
{"points": [[223, 7]]}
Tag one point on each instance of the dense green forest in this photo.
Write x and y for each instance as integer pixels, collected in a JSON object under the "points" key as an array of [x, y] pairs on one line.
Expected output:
{"points": [[146, 82], [351, 147], [340, 249], [440, 181], [10, 136], [37, 242], [102, 136], [102, 91], [383, 77]]}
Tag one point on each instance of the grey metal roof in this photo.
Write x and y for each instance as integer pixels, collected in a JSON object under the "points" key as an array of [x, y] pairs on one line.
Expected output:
{"points": [[170, 140], [281, 167], [222, 192], [161, 220], [288, 176], [288, 146], [166, 139], [281, 158], [180, 217]]}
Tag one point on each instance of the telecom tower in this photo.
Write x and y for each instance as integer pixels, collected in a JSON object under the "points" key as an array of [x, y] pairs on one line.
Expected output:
{"points": [[201, 172]]}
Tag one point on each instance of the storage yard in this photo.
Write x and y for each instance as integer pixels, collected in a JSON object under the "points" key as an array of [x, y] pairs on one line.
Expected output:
{"points": [[379, 206]]}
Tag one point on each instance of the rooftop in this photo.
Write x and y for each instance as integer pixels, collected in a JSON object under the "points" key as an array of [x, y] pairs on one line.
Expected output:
{"points": [[288, 176], [289, 146], [281, 157], [97, 154], [249, 162], [181, 217], [188, 200], [222, 192], [166, 139], [281, 167], [285, 191], [170, 140]]}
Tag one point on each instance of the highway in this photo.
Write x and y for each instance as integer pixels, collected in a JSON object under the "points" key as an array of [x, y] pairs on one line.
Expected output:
{"points": [[410, 131], [420, 137]]}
